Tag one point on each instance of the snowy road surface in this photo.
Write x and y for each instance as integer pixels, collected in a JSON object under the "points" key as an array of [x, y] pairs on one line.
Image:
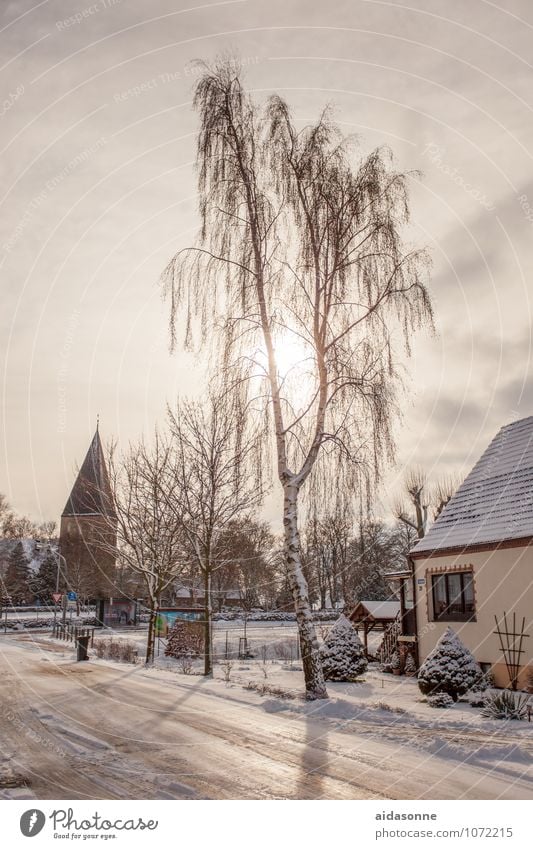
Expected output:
{"points": [[101, 730]]}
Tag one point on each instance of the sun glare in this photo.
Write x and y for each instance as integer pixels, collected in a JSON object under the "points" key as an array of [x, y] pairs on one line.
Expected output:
{"points": [[294, 363], [293, 356]]}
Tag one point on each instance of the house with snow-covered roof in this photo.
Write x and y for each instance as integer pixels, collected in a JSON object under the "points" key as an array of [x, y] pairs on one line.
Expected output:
{"points": [[473, 570]]}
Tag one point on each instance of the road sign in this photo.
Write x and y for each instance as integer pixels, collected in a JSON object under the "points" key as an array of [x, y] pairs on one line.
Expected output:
{"points": [[57, 597], [72, 596]]}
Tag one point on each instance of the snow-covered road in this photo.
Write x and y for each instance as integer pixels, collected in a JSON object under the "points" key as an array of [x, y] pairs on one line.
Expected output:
{"points": [[102, 730]]}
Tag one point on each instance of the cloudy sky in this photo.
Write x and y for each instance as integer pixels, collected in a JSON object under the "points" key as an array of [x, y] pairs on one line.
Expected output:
{"points": [[98, 191]]}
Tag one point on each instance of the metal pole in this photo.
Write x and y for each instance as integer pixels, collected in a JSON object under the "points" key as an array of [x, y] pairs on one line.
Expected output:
{"points": [[57, 586]]}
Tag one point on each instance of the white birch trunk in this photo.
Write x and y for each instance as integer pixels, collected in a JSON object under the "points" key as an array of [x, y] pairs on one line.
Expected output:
{"points": [[315, 687]]}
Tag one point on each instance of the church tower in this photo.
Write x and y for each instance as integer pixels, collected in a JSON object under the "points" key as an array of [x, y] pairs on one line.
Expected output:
{"points": [[88, 534]]}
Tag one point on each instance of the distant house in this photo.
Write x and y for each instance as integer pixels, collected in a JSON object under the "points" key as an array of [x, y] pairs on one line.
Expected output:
{"points": [[194, 596], [475, 564]]}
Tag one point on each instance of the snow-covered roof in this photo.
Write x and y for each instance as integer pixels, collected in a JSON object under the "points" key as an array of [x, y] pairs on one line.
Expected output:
{"points": [[495, 502], [185, 592], [382, 609]]}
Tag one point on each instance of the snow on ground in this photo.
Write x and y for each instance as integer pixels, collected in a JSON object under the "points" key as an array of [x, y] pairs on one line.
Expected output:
{"points": [[130, 732], [379, 704], [278, 640], [396, 696]]}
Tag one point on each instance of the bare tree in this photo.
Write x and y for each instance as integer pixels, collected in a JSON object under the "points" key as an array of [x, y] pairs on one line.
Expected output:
{"points": [[13, 526], [416, 491], [308, 246], [80, 579], [47, 530], [219, 481], [5, 509], [147, 495], [423, 500], [376, 550], [327, 541], [246, 551], [442, 492]]}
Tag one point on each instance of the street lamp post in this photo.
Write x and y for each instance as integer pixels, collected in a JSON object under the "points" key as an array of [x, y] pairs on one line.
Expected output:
{"points": [[64, 599]]}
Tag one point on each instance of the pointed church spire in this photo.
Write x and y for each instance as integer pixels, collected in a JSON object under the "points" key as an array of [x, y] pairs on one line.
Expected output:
{"points": [[91, 493]]}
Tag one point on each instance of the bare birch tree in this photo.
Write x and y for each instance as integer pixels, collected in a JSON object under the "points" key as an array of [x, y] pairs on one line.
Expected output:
{"points": [[215, 465], [301, 249]]}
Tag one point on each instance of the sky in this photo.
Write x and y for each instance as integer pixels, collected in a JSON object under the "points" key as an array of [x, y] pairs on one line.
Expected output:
{"points": [[98, 192]]}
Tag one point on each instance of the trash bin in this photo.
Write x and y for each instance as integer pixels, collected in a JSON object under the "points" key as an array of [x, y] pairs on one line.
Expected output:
{"points": [[83, 648]]}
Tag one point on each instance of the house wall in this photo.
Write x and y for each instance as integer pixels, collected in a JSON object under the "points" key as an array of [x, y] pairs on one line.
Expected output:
{"points": [[503, 581]]}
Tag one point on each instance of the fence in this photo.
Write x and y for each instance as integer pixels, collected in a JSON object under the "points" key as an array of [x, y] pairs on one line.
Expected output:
{"points": [[71, 633]]}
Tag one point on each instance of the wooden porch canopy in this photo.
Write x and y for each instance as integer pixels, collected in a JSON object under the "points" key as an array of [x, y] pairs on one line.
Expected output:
{"points": [[373, 614]]}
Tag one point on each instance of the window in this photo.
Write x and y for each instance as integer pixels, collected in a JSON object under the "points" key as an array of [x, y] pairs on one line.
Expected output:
{"points": [[453, 597]]}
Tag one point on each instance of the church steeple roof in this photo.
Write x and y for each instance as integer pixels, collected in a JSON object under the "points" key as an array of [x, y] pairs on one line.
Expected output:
{"points": [[91, 494]]}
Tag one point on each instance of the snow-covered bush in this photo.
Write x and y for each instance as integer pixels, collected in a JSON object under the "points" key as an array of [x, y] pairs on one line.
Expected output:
{"points": [[253, 616], [440, 700], [342, 654], [272, 616], [388, 708], [227, 666], [450, 668], [395, 661], [184, 638], [476, 696], [186, 663], [286, 650], [268, 690], [486, 682], [505, 705], [121, 650], [410, 665]]}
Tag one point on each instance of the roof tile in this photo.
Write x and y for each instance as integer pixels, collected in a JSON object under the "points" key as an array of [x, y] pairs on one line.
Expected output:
{"points": [[495, 502]]}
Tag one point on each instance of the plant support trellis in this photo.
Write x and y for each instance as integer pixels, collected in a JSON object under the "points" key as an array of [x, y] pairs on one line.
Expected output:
{"points": [[511, 645]]}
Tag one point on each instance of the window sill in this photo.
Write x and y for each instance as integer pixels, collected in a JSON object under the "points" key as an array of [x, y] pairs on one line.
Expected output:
{"points": [[454, 618]]}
